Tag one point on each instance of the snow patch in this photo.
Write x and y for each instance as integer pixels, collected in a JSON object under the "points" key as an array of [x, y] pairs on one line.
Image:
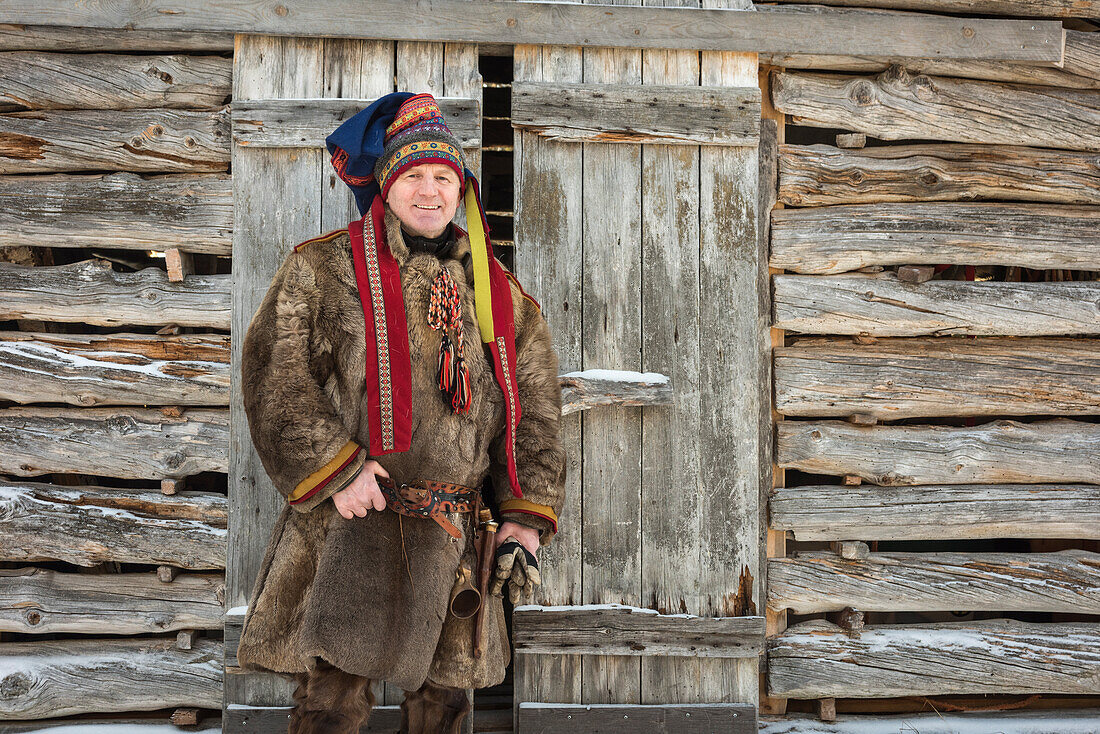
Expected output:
{"points": [[650, 378]]}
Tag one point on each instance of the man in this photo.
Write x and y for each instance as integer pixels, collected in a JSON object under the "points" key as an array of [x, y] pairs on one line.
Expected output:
{"points": [[381, 473]]}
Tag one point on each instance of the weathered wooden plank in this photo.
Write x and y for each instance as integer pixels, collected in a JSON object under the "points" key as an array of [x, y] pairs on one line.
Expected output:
{"points": [[592, 388], [896, 105], [131, 443], [128, 725], [289, 181], [683, 718], [1067, 721], [615, 629], [91, 292], [835, 239], [654, 114], [816, 175], [120, 210], [577, 25], [41, 601], [89, 525], [834, 512], [924, 376], [1033, 8], [611, 334], [548, 260], [14, 37], [305, 123], [64, 677], [670, 296], [33, 80], [148, 140], [1082, 54], [882, 305], [817, 659], [997, 452], [274, 719], [114, 369], [916, 582], [733, 341]]}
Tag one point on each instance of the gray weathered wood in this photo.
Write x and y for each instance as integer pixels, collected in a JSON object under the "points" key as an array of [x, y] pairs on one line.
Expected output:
{"points": [[623, 630], [670, 296], [897, 105], [611, 333], [653, 114], [815, 175], [131, 443], [41, 601], [60, 38], [548, 260], [119, 210], [833, 512], [149, 140], [1062, 721], [275, 719], [32, 80], [265, 181], [835, 239], [683, 718], [577, 25], [584, 391], [924, 376], [305, 123], [883, 305], [114, 369], [817, 659], [91, 292], [63, 677], [129, 725], [997, 452], [1082, 54], [1036, 8], [915, 582], [89, 525]]}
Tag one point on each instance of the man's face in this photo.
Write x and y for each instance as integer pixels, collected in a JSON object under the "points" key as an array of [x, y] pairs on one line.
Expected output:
{"points": [[425, 198]]}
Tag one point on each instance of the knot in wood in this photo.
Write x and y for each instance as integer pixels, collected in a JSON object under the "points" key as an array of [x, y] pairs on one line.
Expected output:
{"points": [[33, 617], [14, 686], [862, 93]]}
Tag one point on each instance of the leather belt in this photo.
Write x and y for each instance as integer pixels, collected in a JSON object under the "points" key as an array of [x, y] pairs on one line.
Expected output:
{"points": [[430, 500]]}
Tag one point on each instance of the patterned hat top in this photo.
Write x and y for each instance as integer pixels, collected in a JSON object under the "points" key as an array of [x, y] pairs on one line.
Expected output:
{"points": [[418, 135]]}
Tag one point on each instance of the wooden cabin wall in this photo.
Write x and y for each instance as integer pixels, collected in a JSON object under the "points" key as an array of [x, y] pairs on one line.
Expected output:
{"points": [[933, 534], [115, 231]]}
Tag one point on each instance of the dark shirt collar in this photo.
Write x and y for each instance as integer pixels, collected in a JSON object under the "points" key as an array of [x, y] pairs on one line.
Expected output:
{"points": [[439, 246]]}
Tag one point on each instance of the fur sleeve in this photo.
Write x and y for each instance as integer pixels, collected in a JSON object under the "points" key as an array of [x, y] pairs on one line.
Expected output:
{"points": [[303, 445], [540, 458]]}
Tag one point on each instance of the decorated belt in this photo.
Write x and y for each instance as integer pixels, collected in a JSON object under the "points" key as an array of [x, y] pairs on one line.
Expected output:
{"points": [[430, 500]]}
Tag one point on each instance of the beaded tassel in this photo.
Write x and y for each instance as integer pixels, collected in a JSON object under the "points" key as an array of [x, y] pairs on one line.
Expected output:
{"points": [[445, 312]]}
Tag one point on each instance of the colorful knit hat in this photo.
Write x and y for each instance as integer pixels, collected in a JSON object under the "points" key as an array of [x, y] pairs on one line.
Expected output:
{"points": [[417, 135]]}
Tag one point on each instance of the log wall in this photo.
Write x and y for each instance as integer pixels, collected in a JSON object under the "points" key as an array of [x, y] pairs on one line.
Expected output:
{"points": [[936, 380], [116, 219]]}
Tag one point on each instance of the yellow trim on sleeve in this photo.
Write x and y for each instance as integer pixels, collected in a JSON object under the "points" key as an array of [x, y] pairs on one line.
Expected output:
{"points": [[516, 504], [326, 471]]}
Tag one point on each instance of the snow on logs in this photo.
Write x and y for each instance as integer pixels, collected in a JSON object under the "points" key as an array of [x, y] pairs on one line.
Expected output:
{"points": [[88, 525], [927, 377], [66, 677], [592, 388], [38, 601], [91, 292], [114, 369], [817, 659]]}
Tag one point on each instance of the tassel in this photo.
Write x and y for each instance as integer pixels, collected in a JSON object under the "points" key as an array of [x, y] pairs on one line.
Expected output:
{"points": [[461, 396], [445, 374], [445, 312]]}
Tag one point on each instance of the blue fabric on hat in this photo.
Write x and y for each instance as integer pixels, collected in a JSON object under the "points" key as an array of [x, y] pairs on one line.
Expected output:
{"points": [[362, 138]]}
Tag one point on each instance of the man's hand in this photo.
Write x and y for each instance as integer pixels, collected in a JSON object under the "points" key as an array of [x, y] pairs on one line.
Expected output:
{"points": [[528, 537], [363, 494]]}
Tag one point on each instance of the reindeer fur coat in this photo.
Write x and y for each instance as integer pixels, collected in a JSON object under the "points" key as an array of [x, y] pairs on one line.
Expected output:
{"points": [[370, 594]]}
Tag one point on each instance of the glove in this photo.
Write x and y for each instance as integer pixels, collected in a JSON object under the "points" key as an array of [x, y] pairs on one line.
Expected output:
{"points": [[518, 569]]}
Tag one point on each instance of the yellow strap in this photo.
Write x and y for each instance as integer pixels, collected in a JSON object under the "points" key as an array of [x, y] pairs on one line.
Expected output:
{"points": [[479, 251]]}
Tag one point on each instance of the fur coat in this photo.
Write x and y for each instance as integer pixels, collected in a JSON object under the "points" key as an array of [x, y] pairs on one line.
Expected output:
{"points": [[370, 595]]}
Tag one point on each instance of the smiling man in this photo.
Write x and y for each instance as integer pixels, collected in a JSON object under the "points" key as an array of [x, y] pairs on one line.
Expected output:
{"points": [[392, 481]]}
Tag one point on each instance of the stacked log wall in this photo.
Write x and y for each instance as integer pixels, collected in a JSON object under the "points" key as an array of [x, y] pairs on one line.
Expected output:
{"points": [[935, 257], [116, 220]]}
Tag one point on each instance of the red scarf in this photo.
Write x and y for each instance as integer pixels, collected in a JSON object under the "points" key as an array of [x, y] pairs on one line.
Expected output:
{"points": [[389, 369]]}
